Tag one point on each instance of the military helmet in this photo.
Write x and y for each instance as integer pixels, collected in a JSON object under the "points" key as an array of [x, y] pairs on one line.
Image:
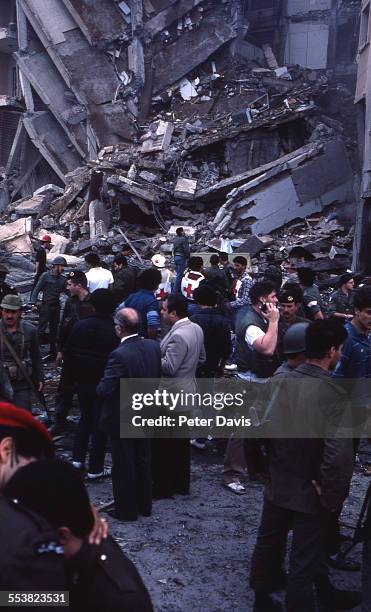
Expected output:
{"points": [[59, 261], [294, 338], [11, 302]]}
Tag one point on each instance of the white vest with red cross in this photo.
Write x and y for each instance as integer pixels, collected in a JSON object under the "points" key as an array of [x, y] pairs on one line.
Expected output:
{"points": [[190, 282], [164, 287]]}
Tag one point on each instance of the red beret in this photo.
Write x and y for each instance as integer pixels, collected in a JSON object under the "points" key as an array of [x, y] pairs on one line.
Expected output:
{"points": [[11, 416]]}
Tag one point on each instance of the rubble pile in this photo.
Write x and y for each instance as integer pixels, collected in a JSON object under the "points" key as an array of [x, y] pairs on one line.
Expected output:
{"points": [[212, 134]]}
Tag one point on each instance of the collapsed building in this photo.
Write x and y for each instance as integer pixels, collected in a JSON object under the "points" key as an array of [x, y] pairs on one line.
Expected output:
{"points": [[136, 116]]}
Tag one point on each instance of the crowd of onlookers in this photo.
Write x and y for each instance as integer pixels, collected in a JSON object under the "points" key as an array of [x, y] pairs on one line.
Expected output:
{"points": [[187, 322]]}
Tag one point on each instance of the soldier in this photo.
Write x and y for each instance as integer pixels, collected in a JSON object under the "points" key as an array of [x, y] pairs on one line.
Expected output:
{"points": [[31, 558], [312, 301], [99, 577], [5, 289], [290, 306], [22, 337], [52, 284]]}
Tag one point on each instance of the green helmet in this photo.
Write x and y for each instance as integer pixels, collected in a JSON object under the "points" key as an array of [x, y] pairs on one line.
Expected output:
{"points": [[294, 338]]}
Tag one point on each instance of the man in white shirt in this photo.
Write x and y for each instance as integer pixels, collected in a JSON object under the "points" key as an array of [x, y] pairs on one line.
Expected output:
{"points": [[98, 277]]}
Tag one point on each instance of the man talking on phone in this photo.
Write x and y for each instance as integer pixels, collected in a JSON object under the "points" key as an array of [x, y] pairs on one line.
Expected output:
{"points": [[256, 356]]}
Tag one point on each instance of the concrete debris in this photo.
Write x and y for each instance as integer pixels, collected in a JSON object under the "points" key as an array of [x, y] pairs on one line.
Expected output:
{"points": [[137, 116]]}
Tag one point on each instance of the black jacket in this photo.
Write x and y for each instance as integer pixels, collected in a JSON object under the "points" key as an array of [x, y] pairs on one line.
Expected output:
{"points": [[31, 558], [308, 414], [103, 578], [217, 339], [135, 358], [88, 347], [74, 310], [247, 359]]}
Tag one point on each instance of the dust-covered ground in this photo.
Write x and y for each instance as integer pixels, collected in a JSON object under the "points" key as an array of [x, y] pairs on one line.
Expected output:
{"points": [[194, 551]]}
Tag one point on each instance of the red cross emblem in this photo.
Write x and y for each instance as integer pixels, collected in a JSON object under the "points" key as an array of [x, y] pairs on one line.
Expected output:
{"points": [[161, 294], [189, 290]]}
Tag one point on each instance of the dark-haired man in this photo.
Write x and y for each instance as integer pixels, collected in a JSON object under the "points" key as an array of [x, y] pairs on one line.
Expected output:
{"points": [[256, 356], [290, 305], [135, 358], [145, 302], [312, 301], [341, 301], [78, 306], [216, 276], [99, 577], [89, 345], [181, 253], [182, 350], [124, 277], [242, 286], [309, 479], [98, 277]]}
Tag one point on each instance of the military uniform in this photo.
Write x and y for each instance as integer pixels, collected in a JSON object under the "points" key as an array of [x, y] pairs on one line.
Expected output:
{"points": [[51, 286], [341, 302], [31, 558], [103, 578], [312, 301], [26, 344]]}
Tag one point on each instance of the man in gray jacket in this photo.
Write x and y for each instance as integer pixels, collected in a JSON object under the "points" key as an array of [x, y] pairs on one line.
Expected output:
{"points": [[310, 468], [182, 350]]}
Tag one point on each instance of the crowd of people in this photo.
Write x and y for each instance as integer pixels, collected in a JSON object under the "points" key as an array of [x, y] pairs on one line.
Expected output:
{"points": [[179, 322]]}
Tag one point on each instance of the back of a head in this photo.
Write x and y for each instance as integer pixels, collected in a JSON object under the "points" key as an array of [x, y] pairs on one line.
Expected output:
{"points": [[223, 256], [128, 320], [104, 301], [214, 260], [150, 279], [179, 231], [362, 298], [240, 260], [205, 295], [55, 490], [196, 264], [121, 260], [92, 259], [306, 276], [322, 335], [178, 304], [259, 290]]}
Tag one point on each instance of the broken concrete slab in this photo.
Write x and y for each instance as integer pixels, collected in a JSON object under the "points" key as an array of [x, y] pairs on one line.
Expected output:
{"points": [[50, 139], [101, 22], [48, 83], [188, 230], [192, 49], [165, 18], [76, 183], [185, 188], [158, 138], [255, 244], [29, 206], [15, 236], [135, 189]]}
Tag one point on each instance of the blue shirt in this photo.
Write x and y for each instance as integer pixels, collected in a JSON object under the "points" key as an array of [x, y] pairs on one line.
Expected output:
{"points": [[146, 305], [355, 360]]}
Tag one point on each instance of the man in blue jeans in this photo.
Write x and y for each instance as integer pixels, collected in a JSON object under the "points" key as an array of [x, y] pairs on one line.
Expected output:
{"points": [[181, 254]]}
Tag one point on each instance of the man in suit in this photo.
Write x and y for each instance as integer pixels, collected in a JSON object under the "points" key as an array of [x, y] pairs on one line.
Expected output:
{"points": [[182, 350], [131, 470]]}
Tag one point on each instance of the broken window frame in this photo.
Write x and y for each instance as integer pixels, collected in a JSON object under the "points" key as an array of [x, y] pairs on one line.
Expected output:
{"points": [[364, 36]]}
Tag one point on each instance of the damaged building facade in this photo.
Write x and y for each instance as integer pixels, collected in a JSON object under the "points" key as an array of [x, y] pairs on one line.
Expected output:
{"points": [[362, 239], [140, 115]]}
